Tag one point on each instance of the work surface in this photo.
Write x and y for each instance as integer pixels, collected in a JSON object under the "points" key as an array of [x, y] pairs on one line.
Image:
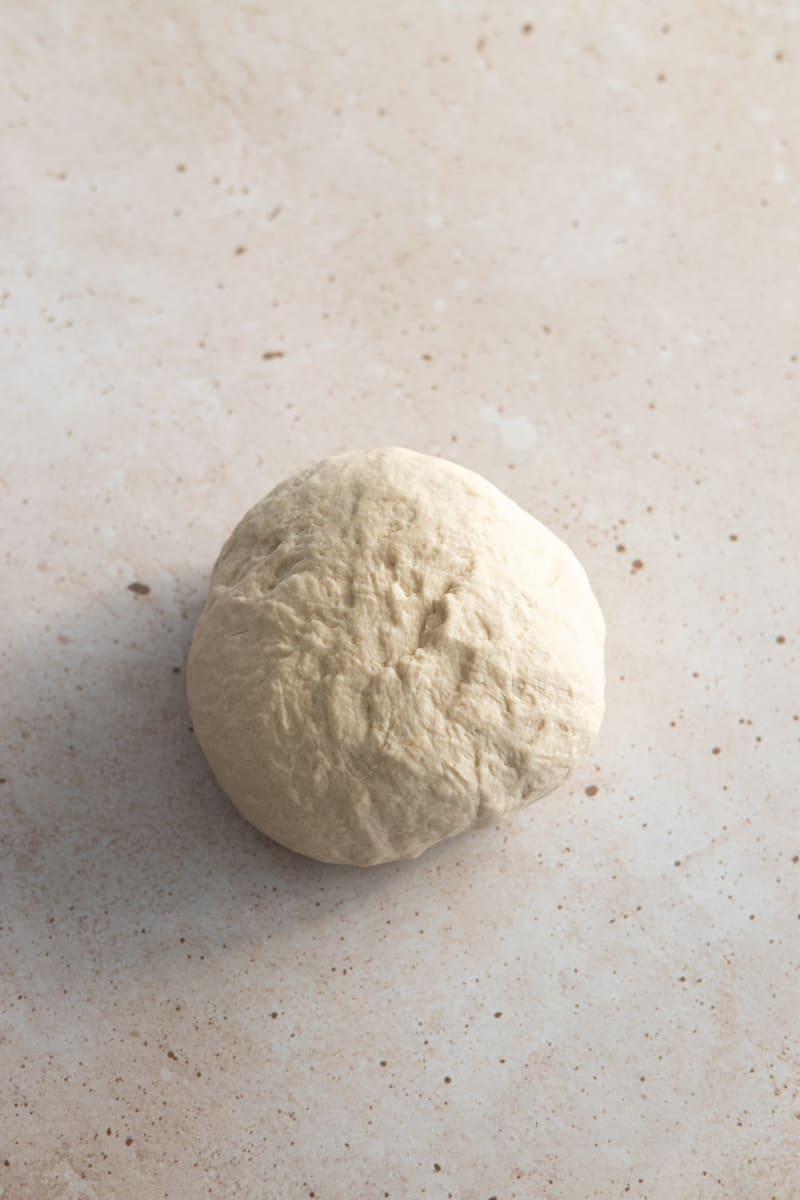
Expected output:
{"points": [[557, 244]]}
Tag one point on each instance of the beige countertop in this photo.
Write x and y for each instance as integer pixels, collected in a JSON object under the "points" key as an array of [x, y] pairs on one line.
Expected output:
{"points": [[559, 244]]}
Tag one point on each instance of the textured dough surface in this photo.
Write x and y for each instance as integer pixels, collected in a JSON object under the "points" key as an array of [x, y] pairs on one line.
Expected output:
{"points": [[392, 651]]}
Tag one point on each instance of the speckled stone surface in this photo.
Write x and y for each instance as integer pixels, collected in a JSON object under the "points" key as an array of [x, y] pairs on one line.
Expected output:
{"points": [[558, 244]]}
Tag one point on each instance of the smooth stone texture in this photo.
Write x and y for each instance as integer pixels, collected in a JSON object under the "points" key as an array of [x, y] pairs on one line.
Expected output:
{"points": [[588, 231]]}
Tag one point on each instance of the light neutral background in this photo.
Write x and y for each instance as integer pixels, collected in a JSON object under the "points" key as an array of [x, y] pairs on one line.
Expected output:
{"points": [[559, 244]]}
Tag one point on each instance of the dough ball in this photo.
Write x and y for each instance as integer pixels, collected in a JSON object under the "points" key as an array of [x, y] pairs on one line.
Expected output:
{"points": [[392, 652]]}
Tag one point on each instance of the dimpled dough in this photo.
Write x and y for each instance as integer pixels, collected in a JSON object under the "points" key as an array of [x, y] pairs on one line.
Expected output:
{"points": [[391, 652]]}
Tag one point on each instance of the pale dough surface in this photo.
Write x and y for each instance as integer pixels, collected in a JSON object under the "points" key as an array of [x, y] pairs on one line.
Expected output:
{"points": [[392, 652]]}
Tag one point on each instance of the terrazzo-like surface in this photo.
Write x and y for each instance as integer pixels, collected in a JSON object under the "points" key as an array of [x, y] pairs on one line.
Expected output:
{"points": [[558, 244]]}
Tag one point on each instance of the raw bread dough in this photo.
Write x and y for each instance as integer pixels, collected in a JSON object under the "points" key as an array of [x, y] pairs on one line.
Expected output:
{"points": [[392, 651]]}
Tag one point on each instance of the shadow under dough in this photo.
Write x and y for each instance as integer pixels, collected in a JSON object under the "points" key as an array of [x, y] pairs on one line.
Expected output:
{"points": [[114, 824]]}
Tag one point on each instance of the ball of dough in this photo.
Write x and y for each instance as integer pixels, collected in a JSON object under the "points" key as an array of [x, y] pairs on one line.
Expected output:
{"points": [[392, 651]]}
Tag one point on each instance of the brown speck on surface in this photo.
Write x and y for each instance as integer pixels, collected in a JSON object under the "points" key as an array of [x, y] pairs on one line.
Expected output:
{"points": [[637, 564], [268, 355], [796, 858], [591, 790], [171, 1054], [780, 639], [547, 329], [661, 77], [733, 537], [383, 1062], [240, 250], [437, 1167], [716, 750], [128, 1141], [139, 589], [528, 27], [447, 1079], [497, 1016], [274, 1016], [180, 166], [176, 670], [275, 212], [779, 56], [620, 548]]}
